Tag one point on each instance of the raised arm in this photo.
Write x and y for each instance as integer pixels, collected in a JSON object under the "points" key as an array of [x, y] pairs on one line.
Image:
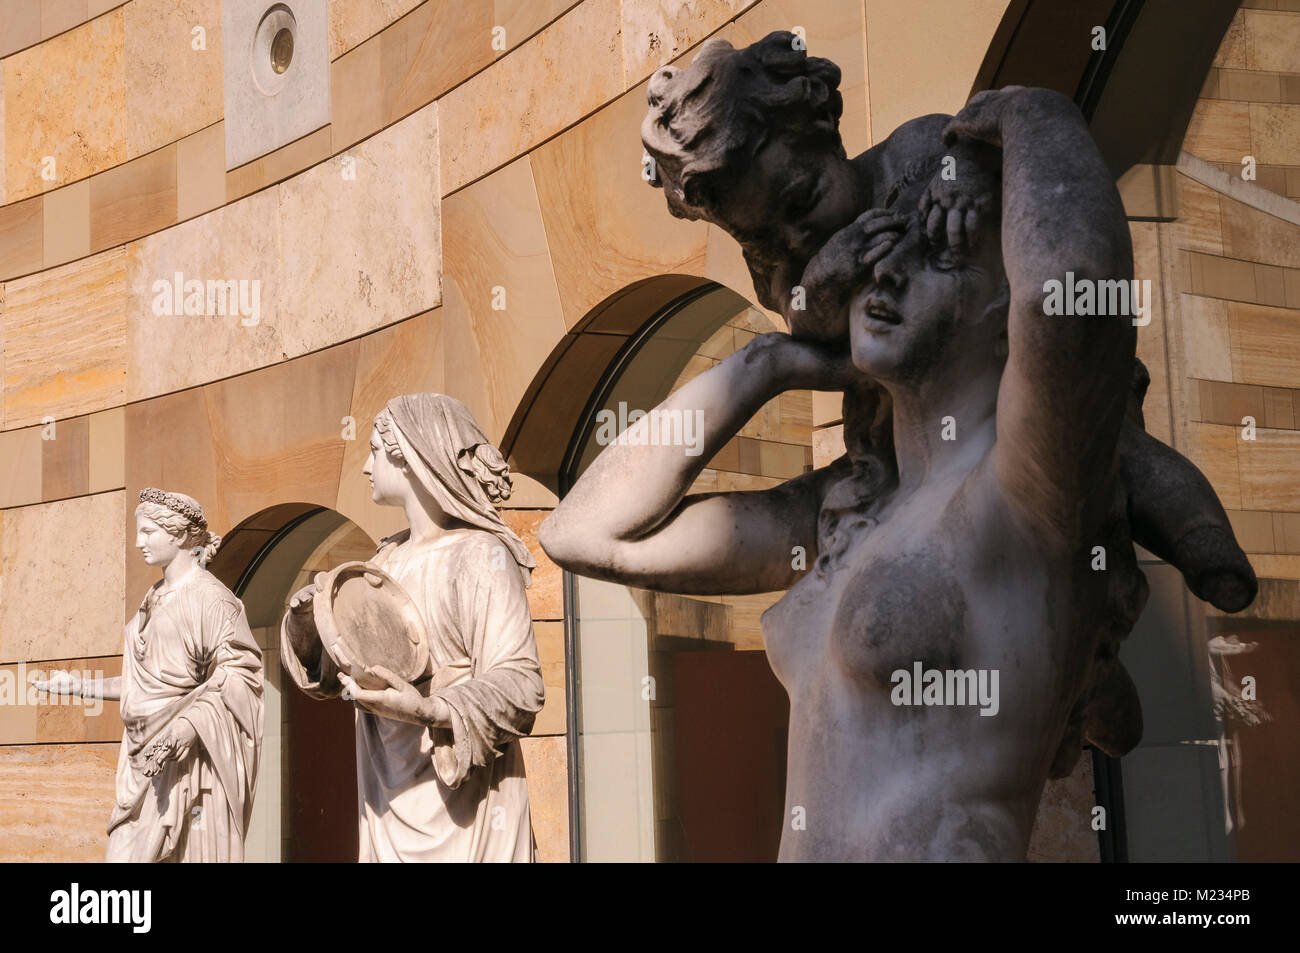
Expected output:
{"points": [[1066, 382], [629, 519]]}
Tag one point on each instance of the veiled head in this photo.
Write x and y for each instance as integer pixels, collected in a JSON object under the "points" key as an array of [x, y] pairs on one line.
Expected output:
{"points": [[427, 449], [448, 441]]}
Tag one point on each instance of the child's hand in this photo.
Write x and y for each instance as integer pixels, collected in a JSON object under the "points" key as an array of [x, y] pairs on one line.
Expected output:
{"points": [[952, 208]]}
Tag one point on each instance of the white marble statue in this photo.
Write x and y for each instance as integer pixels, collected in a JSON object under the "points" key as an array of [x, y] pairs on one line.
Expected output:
{"points": [[191, 701], [440, 773]]}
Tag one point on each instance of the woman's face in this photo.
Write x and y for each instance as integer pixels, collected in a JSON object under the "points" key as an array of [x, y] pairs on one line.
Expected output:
{"points": [[388, 483], [925, 307], [157, 546], [792, 198]]}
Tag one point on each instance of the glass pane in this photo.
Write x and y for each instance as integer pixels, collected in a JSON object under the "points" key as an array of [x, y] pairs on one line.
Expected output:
{"points": [[663, 774]]}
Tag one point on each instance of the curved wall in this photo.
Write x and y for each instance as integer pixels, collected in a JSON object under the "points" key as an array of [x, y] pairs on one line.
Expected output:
{"points": [[450, 176]]}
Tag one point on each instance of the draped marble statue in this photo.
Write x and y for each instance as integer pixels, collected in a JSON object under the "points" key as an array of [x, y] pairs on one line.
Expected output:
{"points": [[992, 452], [440, 771], [191, 701]]}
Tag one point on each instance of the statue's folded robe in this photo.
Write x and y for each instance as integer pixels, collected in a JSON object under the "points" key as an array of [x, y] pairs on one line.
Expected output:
{"points": [[192, 656], [459, 792]]}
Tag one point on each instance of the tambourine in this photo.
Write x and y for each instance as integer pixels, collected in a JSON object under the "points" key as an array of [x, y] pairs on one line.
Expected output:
{"points": [[365, 618]]}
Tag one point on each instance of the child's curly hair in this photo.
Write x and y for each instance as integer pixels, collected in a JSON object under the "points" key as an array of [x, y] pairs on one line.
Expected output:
{"points": [[705, 123]]}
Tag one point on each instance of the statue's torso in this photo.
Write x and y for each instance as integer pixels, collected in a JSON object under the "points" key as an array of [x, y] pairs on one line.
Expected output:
{"points": [[943, 577], [165, 647], [406, 811]]}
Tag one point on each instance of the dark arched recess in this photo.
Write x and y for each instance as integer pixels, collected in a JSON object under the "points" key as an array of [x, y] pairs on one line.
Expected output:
{"points": [[1139, 93], [538, 437]]}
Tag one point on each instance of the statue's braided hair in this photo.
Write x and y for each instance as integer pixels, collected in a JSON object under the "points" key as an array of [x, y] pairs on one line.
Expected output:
{"points": [[182, 517]]}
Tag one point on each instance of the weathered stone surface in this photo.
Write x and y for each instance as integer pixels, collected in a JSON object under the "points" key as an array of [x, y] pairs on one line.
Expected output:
{"points": [[865, 285], [1063, 827], [546, 761], [389, 267], [160, 42], [655, 33], [53, 801], [352, 23], [61, 565], [283, 244], [66, 99], [65, 340]]}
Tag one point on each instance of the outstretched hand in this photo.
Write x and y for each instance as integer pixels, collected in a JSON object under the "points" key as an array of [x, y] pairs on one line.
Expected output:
{"points": [[300, 604], [60, 683], [300, 623]]}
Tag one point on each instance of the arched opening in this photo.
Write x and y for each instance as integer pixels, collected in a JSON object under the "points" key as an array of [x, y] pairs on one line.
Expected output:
{"points": [[1136, 80], [305, 808], [677, 726], [548, 417]]}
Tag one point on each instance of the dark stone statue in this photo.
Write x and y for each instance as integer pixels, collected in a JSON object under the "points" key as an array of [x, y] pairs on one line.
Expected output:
{"points": [[955, 638]]}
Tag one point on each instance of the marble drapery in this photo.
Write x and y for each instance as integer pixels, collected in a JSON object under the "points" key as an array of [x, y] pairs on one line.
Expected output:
{"points": [[457, 793], [190, 654]]}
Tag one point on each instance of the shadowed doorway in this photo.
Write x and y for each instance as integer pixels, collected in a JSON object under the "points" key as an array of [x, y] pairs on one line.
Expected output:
{"points": [[305, 808]]}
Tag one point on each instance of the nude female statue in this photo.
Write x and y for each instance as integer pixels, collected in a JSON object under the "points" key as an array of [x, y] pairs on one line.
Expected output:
{"points": [[969, 554], [191, 694], [748, 139], [440, 774]]}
